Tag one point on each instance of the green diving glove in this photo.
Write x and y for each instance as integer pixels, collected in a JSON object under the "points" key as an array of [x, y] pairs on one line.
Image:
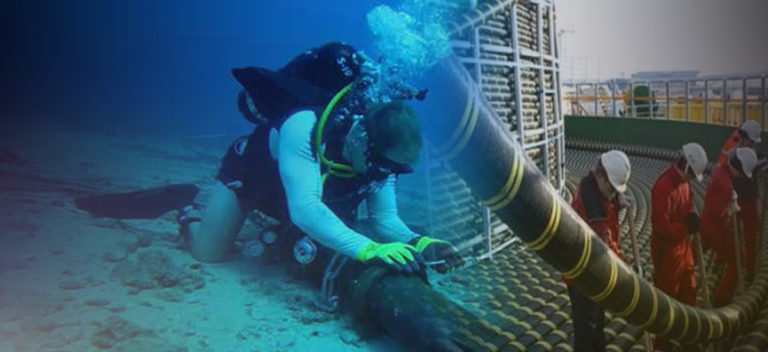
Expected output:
{"points": [[439, 254], [398, 256]]}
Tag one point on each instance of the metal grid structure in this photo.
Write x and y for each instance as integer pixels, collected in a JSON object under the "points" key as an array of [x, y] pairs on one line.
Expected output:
{"points": [[510, 50]]}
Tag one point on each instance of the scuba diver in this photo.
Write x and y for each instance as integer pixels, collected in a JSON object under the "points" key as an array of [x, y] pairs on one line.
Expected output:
{"points": [[327, 139]]}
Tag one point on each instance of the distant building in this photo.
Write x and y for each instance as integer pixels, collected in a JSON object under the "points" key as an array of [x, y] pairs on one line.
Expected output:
{"points": [[664, 75]]}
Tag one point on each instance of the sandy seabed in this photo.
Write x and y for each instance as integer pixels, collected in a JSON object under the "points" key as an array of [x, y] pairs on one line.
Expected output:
{"points": [[73, 282]]}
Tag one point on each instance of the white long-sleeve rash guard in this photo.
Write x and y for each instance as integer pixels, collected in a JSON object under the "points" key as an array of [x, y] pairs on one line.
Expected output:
{"points": [[300, 173]]}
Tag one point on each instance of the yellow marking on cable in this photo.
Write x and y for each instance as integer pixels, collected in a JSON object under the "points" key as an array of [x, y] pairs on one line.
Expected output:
{"points": [[581, 265], [560, 333], [547, 346], [549, 324], [535, 334], [611, 285], [685, 323], [467, 134], [518, 181], [482, 342], [654, 310], [508, 185], [549, 232], [711, 328], [517, 344], [698, 327], [460, 127], [722, 327], [510, 336], [758, 335], [671, 320], [635, 298]]}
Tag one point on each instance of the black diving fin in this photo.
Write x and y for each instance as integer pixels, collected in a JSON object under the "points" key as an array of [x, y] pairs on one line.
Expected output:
{"points": [[143, 204]]}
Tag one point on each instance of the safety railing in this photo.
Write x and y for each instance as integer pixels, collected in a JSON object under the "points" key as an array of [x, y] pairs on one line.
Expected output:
{"points": [[721, 100]]}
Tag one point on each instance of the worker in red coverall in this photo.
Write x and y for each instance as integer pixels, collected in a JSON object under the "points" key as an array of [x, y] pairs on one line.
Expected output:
{"points": [[720, 203], [747, 136], [598, 201], [673, 219]]}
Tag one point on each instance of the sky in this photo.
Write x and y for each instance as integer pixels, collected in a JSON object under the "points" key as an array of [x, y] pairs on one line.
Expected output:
{"points": [[611, 38]]}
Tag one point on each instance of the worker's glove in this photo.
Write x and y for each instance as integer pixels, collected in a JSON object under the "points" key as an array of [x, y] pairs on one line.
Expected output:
{"points": [[397, 256], [623, 201], [438, 254], [733, 206], [639, 270], [694, 223]]}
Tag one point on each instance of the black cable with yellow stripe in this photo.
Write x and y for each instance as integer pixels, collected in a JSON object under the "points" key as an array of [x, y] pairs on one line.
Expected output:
{"points": [[485, 154]]}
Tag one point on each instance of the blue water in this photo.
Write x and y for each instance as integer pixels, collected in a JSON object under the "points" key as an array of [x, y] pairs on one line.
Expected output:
{"points": [[161, 67], [120, 82]]}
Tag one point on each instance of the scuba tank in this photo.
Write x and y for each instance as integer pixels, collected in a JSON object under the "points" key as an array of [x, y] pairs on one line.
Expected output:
{"points": [[312, 79], [304, 251], [255, 247]]}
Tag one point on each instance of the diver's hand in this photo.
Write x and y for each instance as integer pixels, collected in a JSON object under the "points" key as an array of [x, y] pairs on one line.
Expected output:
{"points": [[397, 256], [442, 253]]}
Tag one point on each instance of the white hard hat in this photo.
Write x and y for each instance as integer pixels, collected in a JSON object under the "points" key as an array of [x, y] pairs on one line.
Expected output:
{"points": [[748, 160], [696, 158], [752, 129], [617, 168]]}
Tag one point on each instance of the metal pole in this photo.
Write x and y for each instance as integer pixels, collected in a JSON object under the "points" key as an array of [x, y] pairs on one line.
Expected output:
{"points": [[613, 98], [765, 101], [669, 107], [632, 99], [702, 270], [737, 249], [761, 225], [650, 99], [430, 211], [725, 102], [518, 78], [594, 89], [555, 49], [744, 100], [479, 80], [706, 101], [543, 122], [687, 101], [578, 103], [648, 342]]}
